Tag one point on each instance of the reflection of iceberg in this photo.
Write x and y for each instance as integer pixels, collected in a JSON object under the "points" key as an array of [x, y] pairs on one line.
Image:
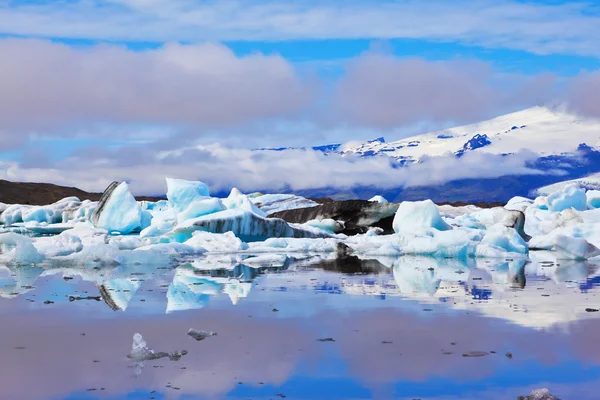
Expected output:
{"points": [[412, 279], [18, 280], [116, 285], [117, 293], [424, 275], [189, 291]]}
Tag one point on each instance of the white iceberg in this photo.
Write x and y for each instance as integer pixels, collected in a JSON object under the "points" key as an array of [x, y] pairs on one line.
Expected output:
{"points": [[572, 196], [182, 193], [118, 211], [572, 248], [418, 216]]}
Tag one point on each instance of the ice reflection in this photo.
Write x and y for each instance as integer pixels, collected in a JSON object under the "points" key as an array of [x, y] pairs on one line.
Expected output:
{"points": [[538, 293], [400, 327]]}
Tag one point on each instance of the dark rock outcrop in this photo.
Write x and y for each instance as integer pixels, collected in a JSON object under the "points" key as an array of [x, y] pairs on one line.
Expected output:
{"points": [[357, 215]]}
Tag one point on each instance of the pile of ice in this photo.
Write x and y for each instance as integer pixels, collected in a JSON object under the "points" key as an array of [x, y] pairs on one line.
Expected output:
{"points": [[190, 222]]}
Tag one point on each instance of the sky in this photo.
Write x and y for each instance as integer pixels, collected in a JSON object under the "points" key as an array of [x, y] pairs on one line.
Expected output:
{"points": [[92, 91]]}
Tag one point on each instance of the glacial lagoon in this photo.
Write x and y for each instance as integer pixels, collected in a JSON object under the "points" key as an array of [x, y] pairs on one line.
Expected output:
{"points": [[303, 328]]}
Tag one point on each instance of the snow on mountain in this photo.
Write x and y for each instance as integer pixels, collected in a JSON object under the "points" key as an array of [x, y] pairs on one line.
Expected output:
{"points": [[540, 129], [590, 182]]}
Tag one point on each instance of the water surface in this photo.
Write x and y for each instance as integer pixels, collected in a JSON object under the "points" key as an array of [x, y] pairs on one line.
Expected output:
{"points": [[302, 329]]}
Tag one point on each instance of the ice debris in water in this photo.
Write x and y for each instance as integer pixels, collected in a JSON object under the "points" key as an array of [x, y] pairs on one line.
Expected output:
{"points": [[141, 352], [539, 394], [200, 335]]}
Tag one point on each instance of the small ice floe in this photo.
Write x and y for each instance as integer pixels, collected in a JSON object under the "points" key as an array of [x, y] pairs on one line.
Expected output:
{"points": [[141, 352], [200, 335]]}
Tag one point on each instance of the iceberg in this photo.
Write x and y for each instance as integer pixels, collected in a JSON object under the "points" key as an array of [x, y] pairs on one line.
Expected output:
{"points": [[572, 196], [593, 198], [418, 216], [118, 211], [182, 193], [199, 208], [272, 203], [244, 224], [573, 248], [239, 201], [19, 249]]}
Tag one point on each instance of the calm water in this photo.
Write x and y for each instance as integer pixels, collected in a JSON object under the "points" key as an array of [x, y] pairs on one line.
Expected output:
{"points": [[307, 329]]}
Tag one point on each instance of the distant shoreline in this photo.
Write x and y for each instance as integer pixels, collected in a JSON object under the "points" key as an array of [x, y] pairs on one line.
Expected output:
{"points": [[40, 194]]}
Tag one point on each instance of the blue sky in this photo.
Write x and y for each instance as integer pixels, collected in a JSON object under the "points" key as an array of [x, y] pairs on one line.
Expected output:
{"points": [[89, 76]]}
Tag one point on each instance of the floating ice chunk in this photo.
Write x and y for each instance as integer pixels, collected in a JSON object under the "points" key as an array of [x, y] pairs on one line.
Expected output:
{"points": [[217, 242], [12, 214], [486, 218], [378, 199], [139, 348], [198, 208], [518, 203], [328, 225], [541, 202], [458, 243], [118, 211], [572, 248], [239, 201], [293, 245], [182, 193], [572, 196], [162, 222], [374, 231], [200, 335], [60, 245], [271, 203], [418, 216], [505, 239], [541, 222], [126, 242], [593, 198], [244, 224], [22, 251]]}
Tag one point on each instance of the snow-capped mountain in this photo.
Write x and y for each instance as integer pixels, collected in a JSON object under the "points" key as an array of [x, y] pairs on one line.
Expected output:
{"points": [[540, 129], [562, 140]]}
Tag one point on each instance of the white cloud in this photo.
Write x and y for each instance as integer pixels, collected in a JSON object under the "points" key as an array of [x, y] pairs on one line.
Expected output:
{"points": [[568, 28], [223, 168], [45, 84]]}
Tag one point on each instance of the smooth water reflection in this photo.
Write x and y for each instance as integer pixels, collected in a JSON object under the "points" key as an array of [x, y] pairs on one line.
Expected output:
{"points": [[394, 328]]}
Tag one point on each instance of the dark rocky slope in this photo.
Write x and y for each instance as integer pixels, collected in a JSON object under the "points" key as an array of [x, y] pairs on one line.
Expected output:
{"points": [[40, 194]]}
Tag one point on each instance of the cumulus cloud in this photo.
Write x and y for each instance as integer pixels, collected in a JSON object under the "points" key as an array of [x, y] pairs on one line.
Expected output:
{"points": [[385, 91], [45, 84], [584, 94], [223, 168], [569, 28]]}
